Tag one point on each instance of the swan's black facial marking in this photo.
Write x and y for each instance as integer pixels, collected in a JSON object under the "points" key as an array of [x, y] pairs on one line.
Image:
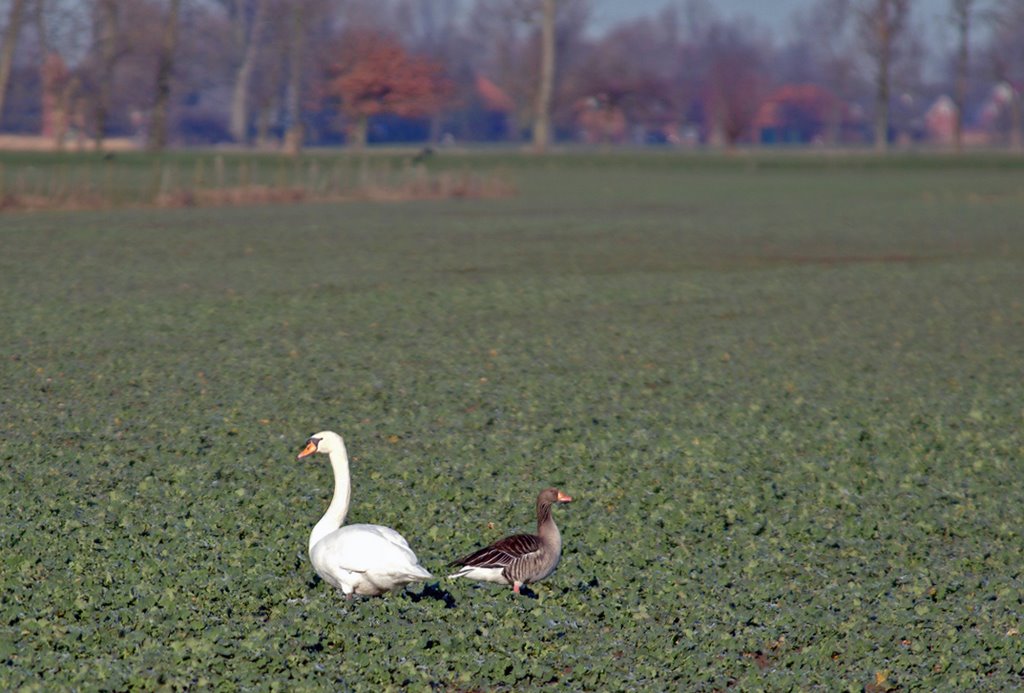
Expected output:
{"points": [[312, 446]]}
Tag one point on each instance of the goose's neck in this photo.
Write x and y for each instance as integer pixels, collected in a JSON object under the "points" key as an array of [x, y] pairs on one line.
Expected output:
{"points": [[547, 530], [336, 511]]}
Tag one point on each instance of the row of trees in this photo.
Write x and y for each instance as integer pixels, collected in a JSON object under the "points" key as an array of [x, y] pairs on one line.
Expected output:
{"points": [[297, 71]]}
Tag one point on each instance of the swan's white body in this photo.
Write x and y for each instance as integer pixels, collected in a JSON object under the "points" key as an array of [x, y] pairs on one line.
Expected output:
{"points": [[358, 559]]}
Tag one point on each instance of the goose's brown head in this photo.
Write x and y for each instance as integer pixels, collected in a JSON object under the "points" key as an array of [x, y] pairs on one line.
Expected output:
{"points": [[553, 495]]}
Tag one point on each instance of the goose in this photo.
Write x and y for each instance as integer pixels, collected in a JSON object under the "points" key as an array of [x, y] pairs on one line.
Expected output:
{"points": [[522, 558], [368, 560]]}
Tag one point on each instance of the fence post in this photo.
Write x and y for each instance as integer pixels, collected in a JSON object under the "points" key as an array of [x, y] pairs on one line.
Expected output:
{"points": [[197, 175], [165, 181], [314, 176]]}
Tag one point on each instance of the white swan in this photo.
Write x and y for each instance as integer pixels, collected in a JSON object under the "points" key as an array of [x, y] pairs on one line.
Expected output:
{"points": [[358, 559]]}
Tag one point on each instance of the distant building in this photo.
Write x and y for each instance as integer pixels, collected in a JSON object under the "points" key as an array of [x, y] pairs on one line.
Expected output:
{"points": [[492, 96], [600, 121], [940, 121], [1000, 114], [805, 114], [496, 109]]}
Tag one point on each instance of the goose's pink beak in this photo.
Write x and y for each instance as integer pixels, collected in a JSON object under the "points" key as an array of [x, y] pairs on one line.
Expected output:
{"points": [[563, 498]]}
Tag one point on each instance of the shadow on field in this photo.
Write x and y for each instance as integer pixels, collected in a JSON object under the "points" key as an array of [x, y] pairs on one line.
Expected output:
{"points": [[434, 591]]}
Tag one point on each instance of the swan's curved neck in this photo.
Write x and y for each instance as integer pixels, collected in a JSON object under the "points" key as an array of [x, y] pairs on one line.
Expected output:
{"points": [[336, 511]]}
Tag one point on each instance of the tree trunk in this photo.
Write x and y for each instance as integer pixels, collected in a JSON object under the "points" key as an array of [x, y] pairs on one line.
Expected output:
{"points": [[239, 123], [716, 132], [293, 133], [49, 100], [881, 23], [263, 126], [65, 103], [11, 34], [1016, 136], [962, 18], [164, 70], [542, 113], [108, 56], [834, 128], [360, 129], [39, 17], [882, 68]]}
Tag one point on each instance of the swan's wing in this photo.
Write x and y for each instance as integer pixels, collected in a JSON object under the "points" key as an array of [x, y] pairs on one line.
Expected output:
{"points": [[367, 549], [389, 534], [502, 553]]}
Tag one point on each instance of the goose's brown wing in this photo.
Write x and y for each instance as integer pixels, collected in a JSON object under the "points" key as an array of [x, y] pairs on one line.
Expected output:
{"points": [[502, 553]]}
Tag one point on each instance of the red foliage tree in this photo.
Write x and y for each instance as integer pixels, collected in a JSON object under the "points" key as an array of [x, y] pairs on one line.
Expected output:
{"points": [[374, 74]]}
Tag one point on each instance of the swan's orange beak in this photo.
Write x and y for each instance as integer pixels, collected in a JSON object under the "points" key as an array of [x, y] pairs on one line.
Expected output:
{"points": [[308, 450], [563, 498]]}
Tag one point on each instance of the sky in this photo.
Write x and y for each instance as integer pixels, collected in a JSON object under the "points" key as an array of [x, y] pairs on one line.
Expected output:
{"points": [[773, 15]]}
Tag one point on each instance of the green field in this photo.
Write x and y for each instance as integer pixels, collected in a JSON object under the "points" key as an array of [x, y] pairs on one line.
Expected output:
{"points": [[785, 393]]}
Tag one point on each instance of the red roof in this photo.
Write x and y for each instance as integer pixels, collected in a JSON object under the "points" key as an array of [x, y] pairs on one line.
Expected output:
{"points": [[809, 98], [493, 96]]}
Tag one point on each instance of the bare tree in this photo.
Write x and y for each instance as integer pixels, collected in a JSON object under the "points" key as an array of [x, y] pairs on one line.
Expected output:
{"points": [[497, 33], [431, 29], [882, 24], [11, 33], [736, 81], [164, 72], [107, 30], [961, 14], [293, 96], [296, 44], [504, 36], [1006, 53], [249, 20], [58, 29], [427, 26], [826, 27], [266, 93], [628, 78], [546, 82]]}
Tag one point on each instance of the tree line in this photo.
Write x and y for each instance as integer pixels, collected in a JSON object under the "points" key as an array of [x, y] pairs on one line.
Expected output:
{"points": [[291, 73]]}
